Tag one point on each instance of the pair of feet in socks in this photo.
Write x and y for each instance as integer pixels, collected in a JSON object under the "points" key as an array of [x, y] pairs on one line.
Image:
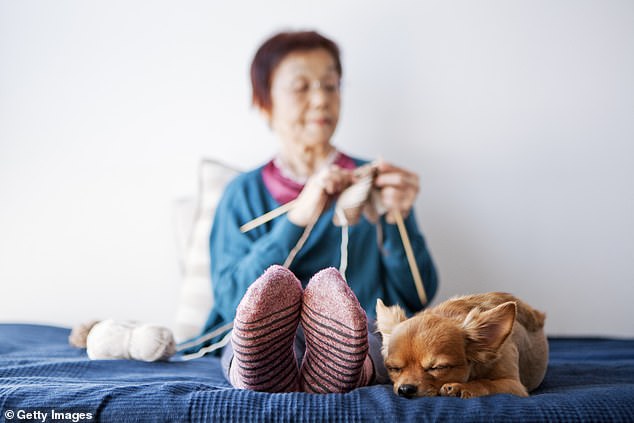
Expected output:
{"points": [[334, 325]]}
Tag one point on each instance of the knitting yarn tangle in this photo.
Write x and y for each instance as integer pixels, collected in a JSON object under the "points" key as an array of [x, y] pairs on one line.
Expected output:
{"points": [[358, 198]]}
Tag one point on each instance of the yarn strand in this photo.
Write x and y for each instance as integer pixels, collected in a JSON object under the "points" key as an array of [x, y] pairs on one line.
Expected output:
{"points": [[302, 239], [343, 263]]}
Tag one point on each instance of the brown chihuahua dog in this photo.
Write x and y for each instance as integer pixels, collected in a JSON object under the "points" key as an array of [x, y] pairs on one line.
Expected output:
{"points": [[465, 347]]}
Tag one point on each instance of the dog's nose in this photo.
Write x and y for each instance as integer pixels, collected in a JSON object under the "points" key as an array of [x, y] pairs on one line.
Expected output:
{"points": [[407, 391]]}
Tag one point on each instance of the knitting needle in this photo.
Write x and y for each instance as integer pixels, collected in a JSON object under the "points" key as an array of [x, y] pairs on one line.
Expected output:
{"points": [[418, 281], [260, 220]]}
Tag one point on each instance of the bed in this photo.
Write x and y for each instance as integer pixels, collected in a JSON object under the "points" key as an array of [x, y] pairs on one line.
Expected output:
{"points": [[588, 379]]}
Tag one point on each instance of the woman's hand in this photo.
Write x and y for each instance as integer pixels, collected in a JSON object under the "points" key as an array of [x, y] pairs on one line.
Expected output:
{"points": [[398, 187], [318, 190]]}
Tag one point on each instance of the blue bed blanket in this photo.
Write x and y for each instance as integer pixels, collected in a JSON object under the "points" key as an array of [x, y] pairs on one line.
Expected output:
{"points": [[588, 379]]}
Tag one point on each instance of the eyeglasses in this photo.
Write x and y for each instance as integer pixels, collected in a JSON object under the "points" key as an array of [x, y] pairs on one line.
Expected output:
{"points": [[301, 87]]}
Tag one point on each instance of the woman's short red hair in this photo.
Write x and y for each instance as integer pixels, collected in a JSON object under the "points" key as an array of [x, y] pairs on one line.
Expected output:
{"points": [[274, 50]]}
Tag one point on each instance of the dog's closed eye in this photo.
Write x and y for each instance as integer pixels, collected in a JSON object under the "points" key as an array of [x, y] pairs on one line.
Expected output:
{"points": [[439, 368], [393, 369], [444, 367]]}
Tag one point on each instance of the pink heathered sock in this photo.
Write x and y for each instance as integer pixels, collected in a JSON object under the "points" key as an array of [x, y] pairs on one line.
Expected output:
{"points": [[335, 327], [264, 332]]}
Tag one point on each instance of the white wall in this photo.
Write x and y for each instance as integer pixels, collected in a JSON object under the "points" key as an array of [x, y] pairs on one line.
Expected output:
{"points": [[518, 116]]}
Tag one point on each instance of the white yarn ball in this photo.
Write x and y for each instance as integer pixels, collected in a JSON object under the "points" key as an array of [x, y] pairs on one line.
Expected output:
{"points": [[110, 339]]}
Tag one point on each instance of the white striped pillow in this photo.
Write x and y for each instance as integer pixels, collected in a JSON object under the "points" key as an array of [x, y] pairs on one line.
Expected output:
{"points": [[196, 297]]}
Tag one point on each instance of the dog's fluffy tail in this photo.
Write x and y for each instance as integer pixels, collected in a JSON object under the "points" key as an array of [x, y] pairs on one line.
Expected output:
{"points": [[533, 320]]}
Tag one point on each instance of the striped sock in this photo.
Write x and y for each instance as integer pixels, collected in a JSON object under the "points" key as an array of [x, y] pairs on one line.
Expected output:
{"points": [[264, 332], [335, 327]]}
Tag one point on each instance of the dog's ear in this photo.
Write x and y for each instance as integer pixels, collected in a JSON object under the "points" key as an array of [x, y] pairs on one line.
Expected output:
{"points": [[486, 331], [386, 319]]}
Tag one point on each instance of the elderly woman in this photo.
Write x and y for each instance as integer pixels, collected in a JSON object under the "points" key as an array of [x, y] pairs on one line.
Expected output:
{"points": [[305, 328]]}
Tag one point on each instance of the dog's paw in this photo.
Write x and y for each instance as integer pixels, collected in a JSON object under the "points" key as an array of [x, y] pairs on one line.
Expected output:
{"points": [[456, 390]]}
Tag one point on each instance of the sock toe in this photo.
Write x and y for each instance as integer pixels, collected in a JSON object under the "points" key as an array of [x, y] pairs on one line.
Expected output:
{"points": [[335, 327], [264, 332]]}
